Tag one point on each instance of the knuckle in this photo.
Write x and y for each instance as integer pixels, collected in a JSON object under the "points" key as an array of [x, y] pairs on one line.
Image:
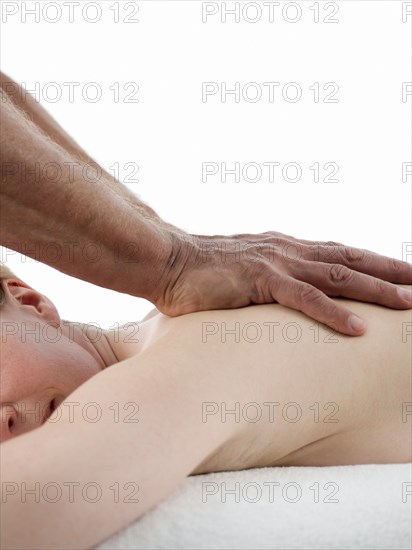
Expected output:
{"points": [[381, 287], [394, 265], [272, 237], [340, 274], [352, 255], [285, 237], [310, 294]]}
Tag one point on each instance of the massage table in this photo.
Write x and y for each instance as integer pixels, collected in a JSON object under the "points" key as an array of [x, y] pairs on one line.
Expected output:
{"points": [[340, 507]]}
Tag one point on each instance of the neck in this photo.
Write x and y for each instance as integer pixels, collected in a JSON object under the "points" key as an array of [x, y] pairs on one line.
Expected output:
{"points": [[92, 339]]}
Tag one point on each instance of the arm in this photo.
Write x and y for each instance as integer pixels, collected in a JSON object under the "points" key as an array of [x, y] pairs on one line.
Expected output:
{"points": [[134, 251], [24, 101], [133, 248], [155, 454], [34, 111]]}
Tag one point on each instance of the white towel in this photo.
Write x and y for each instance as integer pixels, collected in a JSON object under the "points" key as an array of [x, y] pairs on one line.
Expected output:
{"points": [[341, 507]]}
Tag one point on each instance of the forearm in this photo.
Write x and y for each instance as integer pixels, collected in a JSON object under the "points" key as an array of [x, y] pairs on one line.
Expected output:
{"points": [[25, 102], [99, 235], [38, 115]]}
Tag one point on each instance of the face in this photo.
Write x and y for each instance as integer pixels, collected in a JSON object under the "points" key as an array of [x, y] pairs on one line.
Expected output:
{"points": [[41, 360]]}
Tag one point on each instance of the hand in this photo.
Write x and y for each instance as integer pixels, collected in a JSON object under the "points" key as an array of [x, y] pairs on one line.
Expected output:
{"points": [[221, 272]]}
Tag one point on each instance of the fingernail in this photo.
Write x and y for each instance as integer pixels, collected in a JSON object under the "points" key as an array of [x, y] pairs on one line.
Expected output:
{"points": [[405, 294], [356, 323]]}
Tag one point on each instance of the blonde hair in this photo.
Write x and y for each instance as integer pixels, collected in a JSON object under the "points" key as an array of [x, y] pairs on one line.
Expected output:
{"points": [[5, 273]]}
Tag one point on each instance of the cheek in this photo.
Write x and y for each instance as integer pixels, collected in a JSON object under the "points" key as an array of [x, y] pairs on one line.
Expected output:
{"points": [[36, 366], [68, 365]]}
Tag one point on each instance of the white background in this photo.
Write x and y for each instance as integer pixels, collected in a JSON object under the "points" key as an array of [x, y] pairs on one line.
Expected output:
{"points": [[170, 132]]}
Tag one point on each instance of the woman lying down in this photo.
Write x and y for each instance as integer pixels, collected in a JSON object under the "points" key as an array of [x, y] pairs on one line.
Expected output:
{"points": [[99, 426]]}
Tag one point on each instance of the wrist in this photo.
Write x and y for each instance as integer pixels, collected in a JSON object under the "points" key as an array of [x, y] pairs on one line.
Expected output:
{"points": [[181, 247]]}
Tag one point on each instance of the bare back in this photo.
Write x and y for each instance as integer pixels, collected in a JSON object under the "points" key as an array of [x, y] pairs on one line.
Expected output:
{"points": [[306, 395]]}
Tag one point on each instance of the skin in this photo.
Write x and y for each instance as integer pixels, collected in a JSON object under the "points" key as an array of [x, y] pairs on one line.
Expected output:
{"points": [[42, 359], [145, 256], [170, 372]]}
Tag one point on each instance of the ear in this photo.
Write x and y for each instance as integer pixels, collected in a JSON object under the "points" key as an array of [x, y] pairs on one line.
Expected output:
{"points": [[34, 302]]}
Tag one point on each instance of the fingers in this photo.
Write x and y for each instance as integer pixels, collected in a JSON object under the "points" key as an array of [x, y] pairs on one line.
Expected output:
{"points": [[365, 261], [339, 280], [359, 259], [314, 303]]}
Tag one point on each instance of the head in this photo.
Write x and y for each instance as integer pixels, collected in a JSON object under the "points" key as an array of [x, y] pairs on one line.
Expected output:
{"points": [[42, 357]]}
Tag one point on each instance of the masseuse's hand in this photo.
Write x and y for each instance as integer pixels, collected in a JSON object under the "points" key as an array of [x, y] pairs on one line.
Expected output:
{"points": [[220, 272]]}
